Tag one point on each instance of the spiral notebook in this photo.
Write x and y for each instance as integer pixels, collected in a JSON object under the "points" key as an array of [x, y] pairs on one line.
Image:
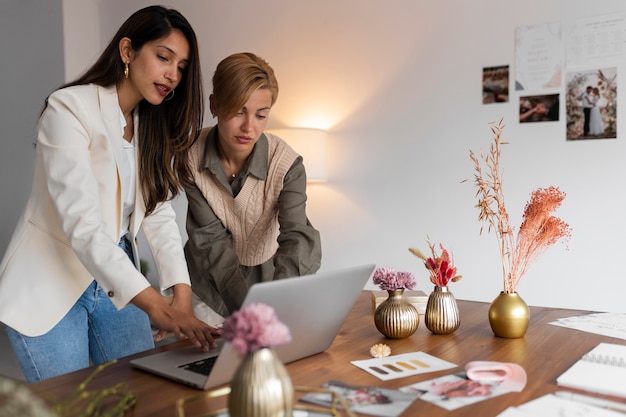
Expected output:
{"points": [[601, 371]]}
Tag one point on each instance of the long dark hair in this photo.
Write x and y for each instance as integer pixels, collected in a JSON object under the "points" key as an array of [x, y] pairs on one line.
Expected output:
{"points": [[165, 131]]}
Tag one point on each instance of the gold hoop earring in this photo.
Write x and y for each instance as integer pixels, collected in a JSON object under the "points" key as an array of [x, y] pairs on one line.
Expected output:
{"points": [[169, 97], [126, 71]]}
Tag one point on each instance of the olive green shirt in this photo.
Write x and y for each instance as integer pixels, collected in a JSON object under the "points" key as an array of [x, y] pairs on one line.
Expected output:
{"points": [[217, 276]]}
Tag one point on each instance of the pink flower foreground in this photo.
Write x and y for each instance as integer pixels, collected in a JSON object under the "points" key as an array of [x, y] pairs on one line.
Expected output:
{"points": [[254, 327], [389, 280]]}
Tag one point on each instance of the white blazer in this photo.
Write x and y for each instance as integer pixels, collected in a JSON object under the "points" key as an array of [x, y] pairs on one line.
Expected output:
{"points": [[68, 233]]}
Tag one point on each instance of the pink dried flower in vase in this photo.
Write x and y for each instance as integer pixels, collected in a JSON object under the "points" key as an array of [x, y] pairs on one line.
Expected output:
{"points": [[441, 266], [254, 327], [539, 230], [389, 280]]}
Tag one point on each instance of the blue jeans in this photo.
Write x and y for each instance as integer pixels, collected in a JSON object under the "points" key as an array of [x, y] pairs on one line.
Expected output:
{"points": [[92, 332]]}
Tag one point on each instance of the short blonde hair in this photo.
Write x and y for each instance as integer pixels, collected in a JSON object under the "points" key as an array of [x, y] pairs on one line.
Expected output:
{"points": [[236, 78]]}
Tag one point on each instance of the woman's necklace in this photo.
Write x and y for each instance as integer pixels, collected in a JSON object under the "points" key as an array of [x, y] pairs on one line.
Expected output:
{"points": [[230, 169], [227, 165]]}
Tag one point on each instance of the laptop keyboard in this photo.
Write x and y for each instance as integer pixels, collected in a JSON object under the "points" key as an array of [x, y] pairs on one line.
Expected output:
{"points": [[202, 367]]}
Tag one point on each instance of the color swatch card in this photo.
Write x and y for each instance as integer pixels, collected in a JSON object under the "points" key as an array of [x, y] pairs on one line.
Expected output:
{"points": [[400, 366]]}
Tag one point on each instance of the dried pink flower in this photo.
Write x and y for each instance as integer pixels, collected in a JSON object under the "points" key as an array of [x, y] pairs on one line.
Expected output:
{"points": [[389, 280], [441, 266], [539, 229], [254, 327]]}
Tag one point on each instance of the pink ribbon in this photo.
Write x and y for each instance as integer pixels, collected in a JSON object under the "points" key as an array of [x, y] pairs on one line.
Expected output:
{"points": [[512, 377]]}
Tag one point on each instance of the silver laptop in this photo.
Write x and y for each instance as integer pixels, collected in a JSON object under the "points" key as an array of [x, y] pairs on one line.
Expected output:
{"points": [[314, 308]]}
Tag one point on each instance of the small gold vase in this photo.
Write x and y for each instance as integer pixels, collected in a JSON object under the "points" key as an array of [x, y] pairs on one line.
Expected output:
{"points": [[395, 317], [442, 312], [509, 316], [261, 387]]}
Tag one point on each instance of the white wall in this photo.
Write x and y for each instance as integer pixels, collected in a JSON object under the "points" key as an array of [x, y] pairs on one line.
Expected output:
{"points": [[31, 66], [81, 39], [398, 86]]}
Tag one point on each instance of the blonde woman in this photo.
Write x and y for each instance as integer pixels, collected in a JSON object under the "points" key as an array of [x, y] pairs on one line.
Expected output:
{"points": [[246, 217]]}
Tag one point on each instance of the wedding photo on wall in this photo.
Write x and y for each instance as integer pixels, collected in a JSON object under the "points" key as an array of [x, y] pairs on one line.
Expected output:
{"points": [[591, 104]]}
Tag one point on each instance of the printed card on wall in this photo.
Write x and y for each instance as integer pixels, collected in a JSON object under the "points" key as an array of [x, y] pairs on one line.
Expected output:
{"points": [[538, 57], [597, 39]]}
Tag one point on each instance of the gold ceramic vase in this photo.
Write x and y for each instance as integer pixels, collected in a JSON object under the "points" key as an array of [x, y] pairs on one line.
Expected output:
{"points": [[442, 312], [395, 317], [509, 316], [261, 387]]}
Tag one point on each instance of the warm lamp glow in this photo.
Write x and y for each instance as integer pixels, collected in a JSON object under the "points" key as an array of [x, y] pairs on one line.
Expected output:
{"points": [[311, 145]]}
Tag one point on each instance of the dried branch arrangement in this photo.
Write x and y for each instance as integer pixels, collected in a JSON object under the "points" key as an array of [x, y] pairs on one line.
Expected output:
{"points": [[539, 229]]}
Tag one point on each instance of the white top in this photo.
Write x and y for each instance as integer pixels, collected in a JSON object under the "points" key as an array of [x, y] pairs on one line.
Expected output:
{"points": [[128, 170]]}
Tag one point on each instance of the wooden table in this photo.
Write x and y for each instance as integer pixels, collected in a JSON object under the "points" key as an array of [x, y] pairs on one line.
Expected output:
{"points": [[545, 352]]}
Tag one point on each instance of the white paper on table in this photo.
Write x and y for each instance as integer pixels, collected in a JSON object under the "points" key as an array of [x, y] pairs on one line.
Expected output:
{"points": [[514, 412], [400, 366], [606, 324], [455, 391], [552, 406]]}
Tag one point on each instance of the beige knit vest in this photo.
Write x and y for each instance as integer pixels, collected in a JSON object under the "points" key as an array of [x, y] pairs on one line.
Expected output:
{"points": [[252, 216]]}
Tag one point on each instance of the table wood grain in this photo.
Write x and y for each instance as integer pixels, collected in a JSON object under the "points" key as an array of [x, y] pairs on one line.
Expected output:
{"points": [[545, 352]]}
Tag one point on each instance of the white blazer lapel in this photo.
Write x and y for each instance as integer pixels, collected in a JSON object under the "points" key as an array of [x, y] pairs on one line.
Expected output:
{"points": [[110, 108]]}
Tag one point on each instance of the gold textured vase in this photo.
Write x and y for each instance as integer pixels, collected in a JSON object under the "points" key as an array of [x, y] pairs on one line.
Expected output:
{"points": [[442, 312], [509, 315], [395, 317], [261, 387]]}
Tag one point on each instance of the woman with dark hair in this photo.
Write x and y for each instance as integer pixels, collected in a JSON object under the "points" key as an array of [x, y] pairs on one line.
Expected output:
{"points": [[108, 160], [246, 217]]}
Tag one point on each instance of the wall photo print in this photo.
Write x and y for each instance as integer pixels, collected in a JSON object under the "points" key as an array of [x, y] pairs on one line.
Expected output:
{"points": [[542, 108], [591, 104], [538, 57], [496, 84]]}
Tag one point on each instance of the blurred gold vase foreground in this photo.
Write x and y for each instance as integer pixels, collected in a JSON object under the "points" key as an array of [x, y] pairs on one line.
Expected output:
{"points": [[261, 387], [395, 317], [509, 316]]}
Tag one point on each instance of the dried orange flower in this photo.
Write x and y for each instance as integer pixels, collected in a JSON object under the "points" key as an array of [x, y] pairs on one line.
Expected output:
{"points": [[539, 229]]}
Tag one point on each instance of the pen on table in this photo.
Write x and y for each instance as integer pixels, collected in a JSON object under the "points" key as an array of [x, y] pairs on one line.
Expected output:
{"points": [[609, 405]]}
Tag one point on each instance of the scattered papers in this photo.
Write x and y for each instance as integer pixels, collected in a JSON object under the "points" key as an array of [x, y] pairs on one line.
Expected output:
{"points": [[454, 391], [606, 324], [375, 401], [552, 406], [400, 366]]}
